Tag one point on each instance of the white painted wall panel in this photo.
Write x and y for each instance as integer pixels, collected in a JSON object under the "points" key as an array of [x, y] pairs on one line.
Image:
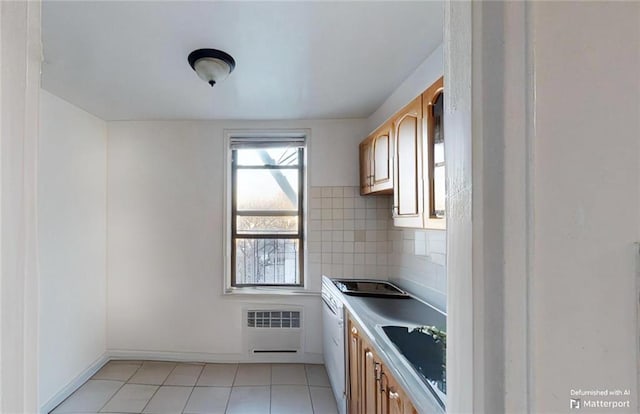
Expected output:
{"points": [[165, 234], [429, 71], [72, 238], [587, 200], [20, 53]]}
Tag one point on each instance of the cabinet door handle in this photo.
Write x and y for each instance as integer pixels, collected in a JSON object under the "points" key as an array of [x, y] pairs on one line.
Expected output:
{"points": [[354, 330], [380, 386], [393, 395]]}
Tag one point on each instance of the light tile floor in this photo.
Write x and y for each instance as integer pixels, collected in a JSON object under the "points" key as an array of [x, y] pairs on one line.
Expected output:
{"points": [[197, 388]]}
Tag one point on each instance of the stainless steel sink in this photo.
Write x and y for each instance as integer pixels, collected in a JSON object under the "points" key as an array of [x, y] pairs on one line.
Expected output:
{"points": [[368, 287], [404, 312], [425, 353]]}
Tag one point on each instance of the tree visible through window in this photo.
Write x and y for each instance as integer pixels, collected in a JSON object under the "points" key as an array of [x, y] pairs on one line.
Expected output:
{"points": [[266, 213]]}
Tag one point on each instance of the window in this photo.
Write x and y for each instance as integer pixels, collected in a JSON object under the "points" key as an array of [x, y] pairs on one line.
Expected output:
{"points": [[267, 193], [437, 204]]}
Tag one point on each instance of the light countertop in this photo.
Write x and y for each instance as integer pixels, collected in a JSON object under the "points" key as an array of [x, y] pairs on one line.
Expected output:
{"points": [[371, 313]]}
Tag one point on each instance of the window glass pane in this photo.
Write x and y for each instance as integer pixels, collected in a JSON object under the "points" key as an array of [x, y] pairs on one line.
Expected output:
{"points": [[267, 189], [267, 261], [438, 159], [439, 191], [438, 153], [267, 224], [283, 156]]}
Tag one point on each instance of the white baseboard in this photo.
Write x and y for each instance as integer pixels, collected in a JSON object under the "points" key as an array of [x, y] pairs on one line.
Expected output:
{"points": [[302, 358], [74, 384]]}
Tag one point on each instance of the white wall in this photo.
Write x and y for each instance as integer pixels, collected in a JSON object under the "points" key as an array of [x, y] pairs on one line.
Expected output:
{"points": [[429, 71], [72, 242], [20, 54], [463, 310], [586, 200], [165, 235]]}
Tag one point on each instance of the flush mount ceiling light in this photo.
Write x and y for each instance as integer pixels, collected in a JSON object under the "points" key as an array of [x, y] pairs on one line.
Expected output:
{"points": [[211, 65]]}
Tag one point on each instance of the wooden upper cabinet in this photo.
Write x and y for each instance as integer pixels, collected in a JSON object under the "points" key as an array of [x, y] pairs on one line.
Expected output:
{"points": [[365, 167], [381, 155], [376, 162], [434, 169], [405, 157], [408, 200]]}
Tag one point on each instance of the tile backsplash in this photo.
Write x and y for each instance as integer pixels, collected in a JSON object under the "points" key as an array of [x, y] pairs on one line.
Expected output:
{"points": [[416, 261], [347, 233], [351, 236]]}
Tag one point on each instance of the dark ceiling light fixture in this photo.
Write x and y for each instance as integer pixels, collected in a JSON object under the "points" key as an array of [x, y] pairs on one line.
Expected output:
{"points": [[211, 65]]}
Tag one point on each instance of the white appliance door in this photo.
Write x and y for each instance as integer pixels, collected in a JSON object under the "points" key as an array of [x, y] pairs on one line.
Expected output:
{"points": [[333, 345]]}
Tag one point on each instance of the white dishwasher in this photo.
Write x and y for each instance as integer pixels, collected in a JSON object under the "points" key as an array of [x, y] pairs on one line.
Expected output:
{"points": [[333, 343]]}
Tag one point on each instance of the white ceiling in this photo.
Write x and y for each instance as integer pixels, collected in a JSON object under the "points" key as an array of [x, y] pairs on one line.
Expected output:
{"points": [[295, 60]]}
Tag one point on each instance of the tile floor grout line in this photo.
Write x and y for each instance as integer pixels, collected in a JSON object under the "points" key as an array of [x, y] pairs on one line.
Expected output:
{"points": [[188, 398], [158, 389], [133, 383], [154, 394], [195, 384], [313, 409], [134, 372], [306, 373], [110, 398], [226, 406], [235, 375], [194, 387], [118, 390], [168, 375], [90, 379]]}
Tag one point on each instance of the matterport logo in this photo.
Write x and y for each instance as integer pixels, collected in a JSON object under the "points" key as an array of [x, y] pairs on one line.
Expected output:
{"points": [[600, 398]]}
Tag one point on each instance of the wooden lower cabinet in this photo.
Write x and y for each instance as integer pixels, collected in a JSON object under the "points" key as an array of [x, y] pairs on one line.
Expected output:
{"points": [[355, 386], [372, 389], [397, 400]]}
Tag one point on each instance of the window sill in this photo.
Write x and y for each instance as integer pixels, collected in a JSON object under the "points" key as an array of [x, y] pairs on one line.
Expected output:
{"points": [[269, 291]]}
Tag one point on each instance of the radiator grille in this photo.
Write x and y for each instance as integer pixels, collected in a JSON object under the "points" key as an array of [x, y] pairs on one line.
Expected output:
{"points": [[273, 319]]}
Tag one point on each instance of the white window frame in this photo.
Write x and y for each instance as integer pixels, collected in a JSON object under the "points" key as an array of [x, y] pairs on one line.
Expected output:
{"points": [[226, 241]]}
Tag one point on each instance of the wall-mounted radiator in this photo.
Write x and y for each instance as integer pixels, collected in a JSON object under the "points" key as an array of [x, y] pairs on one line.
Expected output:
{"points": [[273, 330]]}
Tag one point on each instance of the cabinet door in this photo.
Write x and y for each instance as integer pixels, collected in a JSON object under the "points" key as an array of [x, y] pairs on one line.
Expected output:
{"points": [[369, 382], [355, 394], [398, 402], [395, 403], [396, 399], [408, 186], [382, 396], [381, 156], [434, 168], [366, 174]]}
